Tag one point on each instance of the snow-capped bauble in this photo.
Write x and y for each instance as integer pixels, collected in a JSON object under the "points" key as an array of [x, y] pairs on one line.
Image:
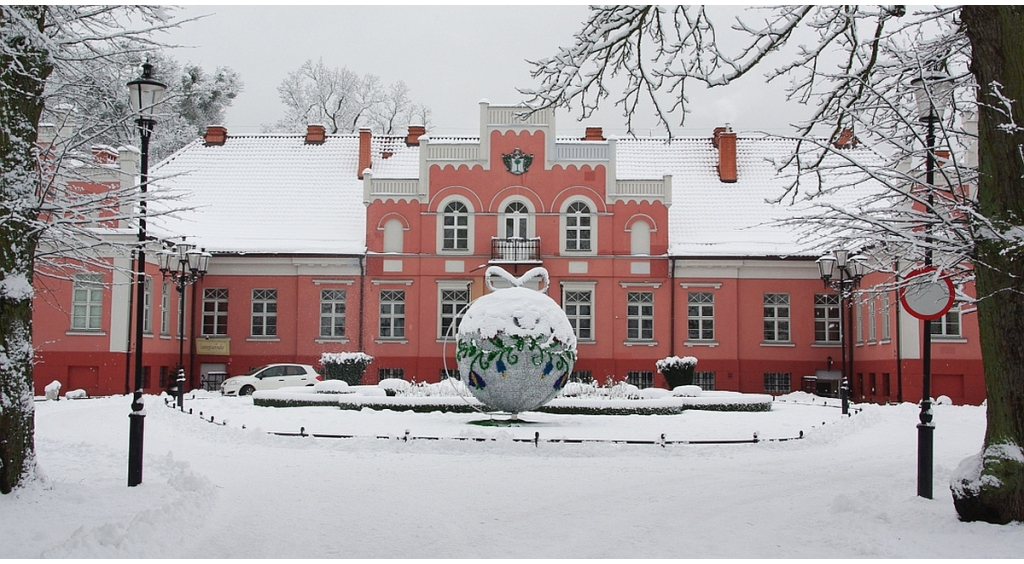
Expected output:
{"points": [[515, 346]]}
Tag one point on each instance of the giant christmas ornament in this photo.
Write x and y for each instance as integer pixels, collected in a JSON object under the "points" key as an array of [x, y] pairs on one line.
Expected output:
{"points": [[515, 346]]}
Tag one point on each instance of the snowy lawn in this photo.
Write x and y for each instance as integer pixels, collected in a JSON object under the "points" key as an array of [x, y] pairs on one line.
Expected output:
{"points": [[223, 491]]}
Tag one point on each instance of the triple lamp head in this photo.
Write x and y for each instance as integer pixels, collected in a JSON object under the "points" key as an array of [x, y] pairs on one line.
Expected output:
{"points": [[184, 258], [840, 265]]}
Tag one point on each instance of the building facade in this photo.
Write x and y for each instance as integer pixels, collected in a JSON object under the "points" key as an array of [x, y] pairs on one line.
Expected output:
{"points": [[655, 248]]}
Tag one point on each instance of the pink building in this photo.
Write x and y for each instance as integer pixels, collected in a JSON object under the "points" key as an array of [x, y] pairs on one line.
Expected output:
{"points": [[330, 243]]}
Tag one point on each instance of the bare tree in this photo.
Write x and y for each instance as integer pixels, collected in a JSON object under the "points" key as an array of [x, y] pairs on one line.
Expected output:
{"points": [[343, 101], [92, 95], [858, 65], [38, 210]]}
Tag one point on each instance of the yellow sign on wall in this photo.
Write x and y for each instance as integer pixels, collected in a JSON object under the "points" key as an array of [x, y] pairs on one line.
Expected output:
{"points": [[216, 347]]}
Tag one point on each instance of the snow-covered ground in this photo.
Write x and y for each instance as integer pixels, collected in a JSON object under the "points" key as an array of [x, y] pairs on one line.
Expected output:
{"points": [[848, 489]]}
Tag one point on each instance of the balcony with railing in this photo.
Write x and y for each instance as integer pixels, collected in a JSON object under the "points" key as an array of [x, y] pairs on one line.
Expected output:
{"points": [[515, 250]]}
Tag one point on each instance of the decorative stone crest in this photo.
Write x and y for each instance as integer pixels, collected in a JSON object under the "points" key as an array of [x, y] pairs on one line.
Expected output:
{"points": [[517, 162]]}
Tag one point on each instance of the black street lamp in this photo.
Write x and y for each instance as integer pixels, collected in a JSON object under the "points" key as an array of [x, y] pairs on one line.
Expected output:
{"points": [[184, 265], [145, 94], [930, 94], [842, 273]]}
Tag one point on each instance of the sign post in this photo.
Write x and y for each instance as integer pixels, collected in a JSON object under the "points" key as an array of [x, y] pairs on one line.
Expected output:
{"points": [[927, 294]]}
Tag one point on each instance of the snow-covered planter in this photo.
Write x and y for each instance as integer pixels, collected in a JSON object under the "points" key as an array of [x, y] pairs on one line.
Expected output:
{"points": [[515, 346], [346, 366], [53, 391], [678, 371]]}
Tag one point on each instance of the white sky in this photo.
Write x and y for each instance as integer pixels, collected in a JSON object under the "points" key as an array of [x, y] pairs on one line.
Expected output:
{"points": [[451, 57]]}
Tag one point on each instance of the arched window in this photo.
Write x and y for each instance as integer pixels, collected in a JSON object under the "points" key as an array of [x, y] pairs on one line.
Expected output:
{"points": [[640, 238], [517, 218], [578, 227], [455, 227], [393, 236]]}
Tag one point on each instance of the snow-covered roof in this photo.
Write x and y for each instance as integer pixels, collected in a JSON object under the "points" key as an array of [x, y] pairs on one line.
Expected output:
{"points": [[711, 218], [278, 194], [267, 194]]}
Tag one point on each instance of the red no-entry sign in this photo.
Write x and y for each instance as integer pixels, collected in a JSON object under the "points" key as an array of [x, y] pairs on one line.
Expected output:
{"points": [[927, 294]]}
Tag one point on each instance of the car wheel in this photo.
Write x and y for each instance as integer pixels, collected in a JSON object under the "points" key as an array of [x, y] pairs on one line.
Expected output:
{"points": [[246, 390]]}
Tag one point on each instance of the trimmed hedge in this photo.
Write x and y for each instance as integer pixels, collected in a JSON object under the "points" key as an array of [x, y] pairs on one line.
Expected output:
{"points": [[591, 410], [314, 400], [416, 408], [712, 401]]}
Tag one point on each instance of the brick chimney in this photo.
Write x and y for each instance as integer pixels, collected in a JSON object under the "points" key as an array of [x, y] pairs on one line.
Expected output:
{"points": [[315, 134], [725, 140], [846, 140], [365, 160], [413, 138], [216, 135], [594, 134]]}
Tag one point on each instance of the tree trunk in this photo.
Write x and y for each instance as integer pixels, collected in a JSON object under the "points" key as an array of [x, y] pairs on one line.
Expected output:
{"points": [[24, 67], [991, 485]]}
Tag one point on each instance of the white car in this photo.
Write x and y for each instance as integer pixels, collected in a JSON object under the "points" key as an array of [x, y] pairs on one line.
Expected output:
{"points": [[270, 377]]}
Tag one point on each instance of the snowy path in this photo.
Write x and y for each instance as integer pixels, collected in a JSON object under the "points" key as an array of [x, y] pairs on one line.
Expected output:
{"points": [[847, 490]]}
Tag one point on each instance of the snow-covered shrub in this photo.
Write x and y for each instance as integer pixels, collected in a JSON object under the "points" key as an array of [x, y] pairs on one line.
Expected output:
{"points": [[943, 400], [623, 390], [579, 389], [347, 366], [394, 386], [76, 394], [654, 393], [678, 371], [687, 391], [332, 387], [53, 391]]}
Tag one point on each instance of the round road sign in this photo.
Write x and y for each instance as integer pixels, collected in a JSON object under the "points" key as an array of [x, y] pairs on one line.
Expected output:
{"points": [[925, 295]]}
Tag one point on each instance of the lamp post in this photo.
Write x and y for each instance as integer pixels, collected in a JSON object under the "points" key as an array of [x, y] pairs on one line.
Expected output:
{"points": [[930, 94], [145, 94], [184, 265], [842, 273]]}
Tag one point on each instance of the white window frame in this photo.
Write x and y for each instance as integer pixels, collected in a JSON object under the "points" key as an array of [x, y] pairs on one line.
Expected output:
{"points": [[262, 311], [872, 321], [640, 311], [827, 320], [219, 298], [458, 307], [165, 308], [443, 215], [396, 331], [87, 302], [575, 316], [147, 310], [701, 317], [527, 219], [333, 315], [944, 323], [777, 315], [564, 227], [886, 319]]}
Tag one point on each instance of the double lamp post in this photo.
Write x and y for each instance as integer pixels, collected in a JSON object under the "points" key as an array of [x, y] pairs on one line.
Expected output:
{"points": [[842, 273], [184, 266]]}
